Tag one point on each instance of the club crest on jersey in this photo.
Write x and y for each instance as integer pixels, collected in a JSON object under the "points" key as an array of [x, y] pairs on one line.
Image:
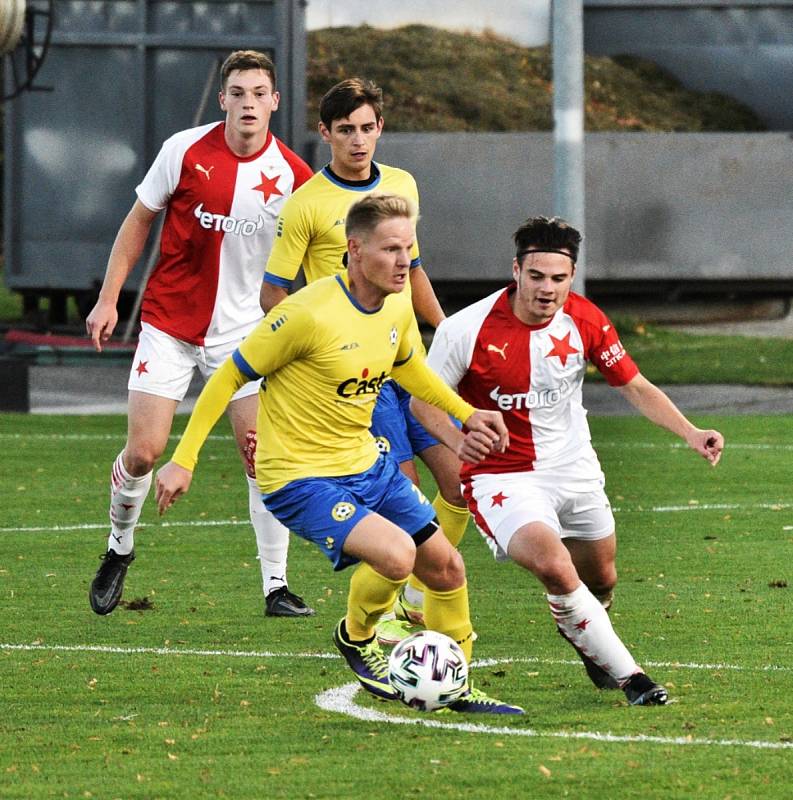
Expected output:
{"points": [[355, 387], [342, 511], [383, 445], [393, 336], [219, 222]]}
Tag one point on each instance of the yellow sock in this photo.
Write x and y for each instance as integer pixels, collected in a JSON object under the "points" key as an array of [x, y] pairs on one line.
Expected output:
{"points": [[453, 521], [370, 596], [447, 612]]}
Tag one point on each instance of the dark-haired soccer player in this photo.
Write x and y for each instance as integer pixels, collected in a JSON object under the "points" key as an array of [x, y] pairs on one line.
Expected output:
{"points": [[541, 502], [325, 354]]}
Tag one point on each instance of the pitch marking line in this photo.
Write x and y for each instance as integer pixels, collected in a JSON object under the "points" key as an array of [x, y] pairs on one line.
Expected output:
{"points": [[475, 664], [214, 523], [341, 701], [97, 437]]}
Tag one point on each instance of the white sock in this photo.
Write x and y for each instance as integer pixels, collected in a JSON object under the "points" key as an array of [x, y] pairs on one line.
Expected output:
{"points": [[272, 540], [587, 626], [413, 595], [127, 496]]}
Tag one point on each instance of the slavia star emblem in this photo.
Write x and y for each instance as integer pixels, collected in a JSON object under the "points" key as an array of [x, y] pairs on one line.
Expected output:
{"points": [[268, 187], [562, 348]]}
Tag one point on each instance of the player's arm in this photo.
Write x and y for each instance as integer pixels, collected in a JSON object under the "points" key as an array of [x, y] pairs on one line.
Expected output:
{"points": [[425, 303], [658, 408], [127, 249], [421, 382], [174, 479], [293, 234], [271, 295]]}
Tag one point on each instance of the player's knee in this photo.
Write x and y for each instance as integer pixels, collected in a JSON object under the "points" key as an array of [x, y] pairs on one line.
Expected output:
{"points": [[602, 586], [451, 493], [141, 458], [400, 562], [446, 574], [556, 572]]}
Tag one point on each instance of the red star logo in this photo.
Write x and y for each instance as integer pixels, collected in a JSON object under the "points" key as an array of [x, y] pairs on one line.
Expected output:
{"points": [[498, 499], [268, 187], [141, 368], [561, 348], [581, 626]]}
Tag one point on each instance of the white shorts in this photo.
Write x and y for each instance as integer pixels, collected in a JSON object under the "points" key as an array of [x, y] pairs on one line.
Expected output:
{"points": [[503, 503], [164, 365]]}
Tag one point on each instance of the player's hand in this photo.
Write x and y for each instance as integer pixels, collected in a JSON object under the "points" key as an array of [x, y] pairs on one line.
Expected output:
{"points": [[172, 482], [490, 424], [708, 444], [100, 323]]}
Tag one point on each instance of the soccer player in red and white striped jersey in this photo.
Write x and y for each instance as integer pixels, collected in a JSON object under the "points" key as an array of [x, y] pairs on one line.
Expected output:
{"points": [[524, 351], [221, 187]]}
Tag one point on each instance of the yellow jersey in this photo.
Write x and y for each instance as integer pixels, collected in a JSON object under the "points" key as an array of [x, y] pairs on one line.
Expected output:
{"points": [[310, 228], [324, 359]]}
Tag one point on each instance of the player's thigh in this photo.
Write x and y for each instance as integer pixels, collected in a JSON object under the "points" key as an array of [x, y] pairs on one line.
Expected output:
{"points": [[162, 366], [445, 468], [149, 420], [588, 532], [538, 548], [502, 504], [383, 545], [389, 492]]}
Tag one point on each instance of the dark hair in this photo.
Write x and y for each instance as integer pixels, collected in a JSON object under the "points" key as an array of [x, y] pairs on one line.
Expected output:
{"points": [[365, 215], [546, 235], [345, 97], [244, 60]]}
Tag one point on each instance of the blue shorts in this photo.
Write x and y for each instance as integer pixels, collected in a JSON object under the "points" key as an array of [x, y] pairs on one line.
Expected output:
{"points": [[325, 510], [394, 427]]}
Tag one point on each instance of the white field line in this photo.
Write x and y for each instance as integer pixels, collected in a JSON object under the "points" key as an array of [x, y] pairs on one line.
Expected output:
{"points": [[476, 664], [121, 436], [341, 701], [92, 526], [217, 523]]}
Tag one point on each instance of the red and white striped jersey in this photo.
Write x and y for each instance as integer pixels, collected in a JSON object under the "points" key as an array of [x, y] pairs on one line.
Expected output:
{"points": [[218, 231], [532, 373]]}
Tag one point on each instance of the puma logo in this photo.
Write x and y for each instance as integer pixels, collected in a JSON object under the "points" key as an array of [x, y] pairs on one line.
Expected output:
{"points": [[491, 348], [204, 170]]}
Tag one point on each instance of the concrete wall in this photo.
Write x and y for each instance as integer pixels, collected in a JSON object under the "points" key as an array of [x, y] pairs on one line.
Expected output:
{"points": [[659, 206]]}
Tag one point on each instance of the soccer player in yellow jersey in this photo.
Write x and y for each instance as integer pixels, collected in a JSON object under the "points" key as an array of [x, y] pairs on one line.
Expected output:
{"points": [[325, 354], [310, 232]]}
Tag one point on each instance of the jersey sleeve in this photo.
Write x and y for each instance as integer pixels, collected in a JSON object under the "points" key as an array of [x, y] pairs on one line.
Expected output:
{"points": [[605, 350], [449, 354], [156, 189], [292, 237], [285, 334], [419, 380]]}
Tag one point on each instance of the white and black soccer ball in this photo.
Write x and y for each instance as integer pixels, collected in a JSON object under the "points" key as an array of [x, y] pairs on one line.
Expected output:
{"points": [[428, 670]]}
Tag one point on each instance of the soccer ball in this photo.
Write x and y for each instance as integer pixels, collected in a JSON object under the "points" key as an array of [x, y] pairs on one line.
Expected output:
{"points": [[428, 670]]}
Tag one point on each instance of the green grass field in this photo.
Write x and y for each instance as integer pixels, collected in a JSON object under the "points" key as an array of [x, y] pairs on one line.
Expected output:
{"points": [[202, 696]]}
